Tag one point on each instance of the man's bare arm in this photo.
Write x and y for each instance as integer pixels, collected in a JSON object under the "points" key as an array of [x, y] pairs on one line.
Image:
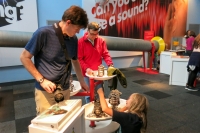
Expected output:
{"points": [[25, 58]]}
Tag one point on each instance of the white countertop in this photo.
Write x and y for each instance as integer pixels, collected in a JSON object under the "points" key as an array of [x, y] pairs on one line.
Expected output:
{"points": [[180, 58]]}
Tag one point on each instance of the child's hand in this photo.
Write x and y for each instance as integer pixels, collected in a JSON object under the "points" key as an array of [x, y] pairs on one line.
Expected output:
{"points": [[123, 109], [99, 91]]}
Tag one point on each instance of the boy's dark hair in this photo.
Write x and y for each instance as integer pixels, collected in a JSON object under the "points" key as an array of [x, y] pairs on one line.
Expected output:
{"points": [[93, 26], [76, 15]]}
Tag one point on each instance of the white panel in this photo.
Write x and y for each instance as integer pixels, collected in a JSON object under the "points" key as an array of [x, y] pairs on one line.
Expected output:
{"points": [[126, 62], [179, 74], [165, 62], [124, 53], [10, 56]]}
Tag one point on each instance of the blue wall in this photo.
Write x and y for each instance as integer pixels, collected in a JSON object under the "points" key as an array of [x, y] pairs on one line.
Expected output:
{"points": [[53, 9], [193, 12]]}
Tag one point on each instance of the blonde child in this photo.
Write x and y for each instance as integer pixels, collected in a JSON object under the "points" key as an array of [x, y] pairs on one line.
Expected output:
{"points": [[134, 120]]}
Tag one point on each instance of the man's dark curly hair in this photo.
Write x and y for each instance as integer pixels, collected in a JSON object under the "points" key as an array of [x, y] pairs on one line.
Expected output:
{"points": [[77, 16]]}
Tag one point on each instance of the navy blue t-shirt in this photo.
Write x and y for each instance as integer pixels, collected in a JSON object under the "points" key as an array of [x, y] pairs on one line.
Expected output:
{"points": [[130, 123], [49, 57]]}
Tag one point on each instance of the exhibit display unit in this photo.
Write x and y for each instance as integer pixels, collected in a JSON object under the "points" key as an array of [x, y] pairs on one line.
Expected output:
{"points": [[165, 61], [69, 122], [90, 106], [103, 124], [179, 74]]}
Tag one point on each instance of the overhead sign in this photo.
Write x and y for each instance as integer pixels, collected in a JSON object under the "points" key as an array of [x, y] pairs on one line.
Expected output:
{"points": [[131, 18], [18, 15]]}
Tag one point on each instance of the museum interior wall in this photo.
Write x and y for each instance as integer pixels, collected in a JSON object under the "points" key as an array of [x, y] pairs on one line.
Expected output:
{"points": [[51, 10]]}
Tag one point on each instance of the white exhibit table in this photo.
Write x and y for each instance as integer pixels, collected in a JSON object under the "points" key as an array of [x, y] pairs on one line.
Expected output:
{"points": [[179, 74], [165, 61], [72, 121]]}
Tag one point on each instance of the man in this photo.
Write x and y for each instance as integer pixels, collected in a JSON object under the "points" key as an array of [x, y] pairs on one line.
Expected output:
{"points": [[54, 49], [91, 50]]}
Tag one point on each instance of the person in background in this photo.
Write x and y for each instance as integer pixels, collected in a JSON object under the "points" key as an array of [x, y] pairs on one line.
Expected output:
{"points": [[187, 34], [193, 66], [52, 63], [189, 42], [133, 117], [91, 50]]}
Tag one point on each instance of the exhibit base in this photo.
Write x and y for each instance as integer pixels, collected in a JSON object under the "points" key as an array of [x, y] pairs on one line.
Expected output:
{"points": [[107, 126], [179, 74], [76, 124], [165, 61], [71, 121]]}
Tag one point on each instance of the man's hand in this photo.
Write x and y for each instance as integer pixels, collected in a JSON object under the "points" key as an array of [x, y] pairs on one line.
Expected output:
{"points": [[48, 86], [84, 86], [89, 71]]}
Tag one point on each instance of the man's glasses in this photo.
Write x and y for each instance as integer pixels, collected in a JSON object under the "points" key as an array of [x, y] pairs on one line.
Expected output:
{"points": [[93, 34]]}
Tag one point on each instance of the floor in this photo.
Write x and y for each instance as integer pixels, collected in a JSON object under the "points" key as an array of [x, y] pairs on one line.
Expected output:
{"points": [[173, 109]]}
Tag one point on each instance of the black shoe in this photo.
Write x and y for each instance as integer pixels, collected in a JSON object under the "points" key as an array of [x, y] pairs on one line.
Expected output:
{"points": [[190, 88], [187, 86]]}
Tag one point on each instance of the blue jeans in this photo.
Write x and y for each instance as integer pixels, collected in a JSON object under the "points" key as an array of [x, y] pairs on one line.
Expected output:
{"points": [[87, 81]]}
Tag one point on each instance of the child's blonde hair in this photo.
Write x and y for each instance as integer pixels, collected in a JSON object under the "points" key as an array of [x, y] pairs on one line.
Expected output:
{"points": [[196, 43], [139, 106]]}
